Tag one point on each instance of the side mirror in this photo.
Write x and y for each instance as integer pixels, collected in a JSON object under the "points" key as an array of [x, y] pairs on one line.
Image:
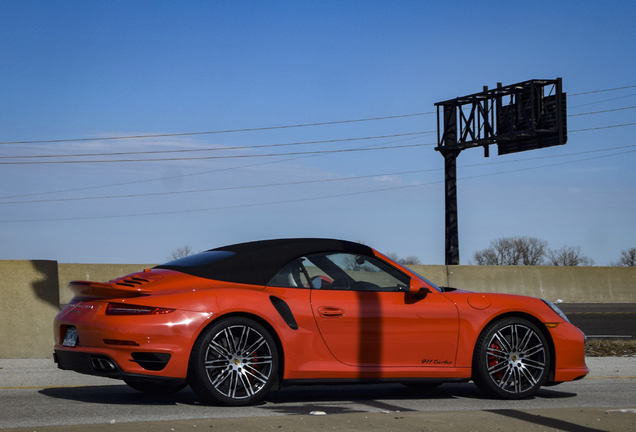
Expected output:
{"points": [[418, 286]]}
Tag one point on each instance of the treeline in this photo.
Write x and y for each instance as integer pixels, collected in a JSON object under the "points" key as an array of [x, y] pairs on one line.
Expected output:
{"points": [[534, 251]]}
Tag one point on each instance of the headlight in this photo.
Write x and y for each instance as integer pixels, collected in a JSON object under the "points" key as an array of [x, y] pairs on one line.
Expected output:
{"points": [[556, 310]]}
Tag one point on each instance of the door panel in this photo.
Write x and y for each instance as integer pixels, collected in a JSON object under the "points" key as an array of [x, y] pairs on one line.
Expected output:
{"points": [[367, 328]]}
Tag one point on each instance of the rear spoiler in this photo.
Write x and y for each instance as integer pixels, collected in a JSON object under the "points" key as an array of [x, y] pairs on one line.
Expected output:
{"points": [[90, 289]]}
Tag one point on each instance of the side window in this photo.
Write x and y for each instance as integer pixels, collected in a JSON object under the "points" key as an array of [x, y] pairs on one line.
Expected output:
{"points": [[292, 275], [344, 271]]}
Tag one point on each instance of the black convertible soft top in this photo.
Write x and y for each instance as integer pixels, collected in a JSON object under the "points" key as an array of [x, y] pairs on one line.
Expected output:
{"points": [[256, 263]]}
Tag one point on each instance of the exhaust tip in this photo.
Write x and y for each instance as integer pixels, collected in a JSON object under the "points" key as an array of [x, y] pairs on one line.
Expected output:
{"points": [[103, 364]]}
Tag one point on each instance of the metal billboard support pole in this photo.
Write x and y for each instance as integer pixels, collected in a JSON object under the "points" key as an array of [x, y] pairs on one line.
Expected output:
{"points": [[450, 153], [452, 227]]}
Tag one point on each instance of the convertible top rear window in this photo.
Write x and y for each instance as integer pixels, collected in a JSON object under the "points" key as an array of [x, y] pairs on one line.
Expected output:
{"points": [[199, 259]]}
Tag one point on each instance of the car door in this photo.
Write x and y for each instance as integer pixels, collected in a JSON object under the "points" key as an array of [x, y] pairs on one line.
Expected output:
{"points": [[366, 318]]}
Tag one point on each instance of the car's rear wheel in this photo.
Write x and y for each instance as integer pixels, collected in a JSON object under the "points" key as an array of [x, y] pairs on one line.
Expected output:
{"points": [[511, 359], [154, 388], [233, 362]]}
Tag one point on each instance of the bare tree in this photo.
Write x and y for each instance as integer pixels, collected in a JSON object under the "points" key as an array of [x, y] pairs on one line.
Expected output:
{"points": [[488, 256], [353, 263], [392, 255], [532, 250], [180, 253], [628, 259], [513, 251], [409, 260], [568, 256]]}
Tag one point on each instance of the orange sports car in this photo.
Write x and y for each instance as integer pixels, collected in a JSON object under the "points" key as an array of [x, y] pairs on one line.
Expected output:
{"points": [[238, 321]]}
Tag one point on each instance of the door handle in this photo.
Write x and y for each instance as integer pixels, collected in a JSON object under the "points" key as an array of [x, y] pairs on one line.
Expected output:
{"points": [[330, 312]]}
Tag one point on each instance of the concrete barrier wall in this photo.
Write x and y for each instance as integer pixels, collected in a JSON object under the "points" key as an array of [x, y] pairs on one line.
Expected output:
{"points": [[571, 284], [29, 301], [31, 292]]}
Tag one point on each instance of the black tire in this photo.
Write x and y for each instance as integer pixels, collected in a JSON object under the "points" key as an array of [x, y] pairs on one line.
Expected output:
{"points": [[511, 359], [234, 362], [153, 388]]}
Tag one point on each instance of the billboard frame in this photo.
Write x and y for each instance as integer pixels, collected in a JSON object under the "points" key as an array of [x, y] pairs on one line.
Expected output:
{"points": [[518, 117]]}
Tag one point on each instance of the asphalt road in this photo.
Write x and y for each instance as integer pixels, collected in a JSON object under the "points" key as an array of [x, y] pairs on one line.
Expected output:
{"points": [[603, 319], [34, 394]]}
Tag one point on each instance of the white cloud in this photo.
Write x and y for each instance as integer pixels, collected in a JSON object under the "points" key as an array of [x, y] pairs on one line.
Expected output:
{"points": [[388, 179]]}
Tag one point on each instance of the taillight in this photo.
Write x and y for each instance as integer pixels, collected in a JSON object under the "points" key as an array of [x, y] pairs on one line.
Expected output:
{"points": [[128, 309]]}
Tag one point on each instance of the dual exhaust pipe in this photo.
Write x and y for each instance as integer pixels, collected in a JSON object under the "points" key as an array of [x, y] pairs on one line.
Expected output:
{"points": [[103, 364]]}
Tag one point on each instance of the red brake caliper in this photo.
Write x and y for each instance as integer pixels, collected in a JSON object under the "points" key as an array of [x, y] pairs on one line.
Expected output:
{"points": [[492, 360]]}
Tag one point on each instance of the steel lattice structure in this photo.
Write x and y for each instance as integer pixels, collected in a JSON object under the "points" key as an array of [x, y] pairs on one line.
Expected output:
{"points": [[525, 116]]}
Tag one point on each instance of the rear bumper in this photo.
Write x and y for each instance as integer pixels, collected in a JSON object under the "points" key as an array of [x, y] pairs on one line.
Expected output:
{"points": [[154, 346], [104, 366]]}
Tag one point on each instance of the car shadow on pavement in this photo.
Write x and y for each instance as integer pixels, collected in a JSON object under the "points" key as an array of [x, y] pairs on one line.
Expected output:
{"points": [[351, 399], [379, 396], [390, 392], [544, 421], [118, 395]]}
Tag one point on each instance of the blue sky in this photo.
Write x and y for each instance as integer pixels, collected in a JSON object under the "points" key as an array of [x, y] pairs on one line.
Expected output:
{"points": [[87, 70]]}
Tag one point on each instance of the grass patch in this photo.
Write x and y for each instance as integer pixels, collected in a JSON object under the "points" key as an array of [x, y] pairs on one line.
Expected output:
{"points": [[610, 348]]}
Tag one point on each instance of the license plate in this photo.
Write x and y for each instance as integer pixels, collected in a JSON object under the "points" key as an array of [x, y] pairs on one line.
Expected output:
{"points": [[70, 338]]}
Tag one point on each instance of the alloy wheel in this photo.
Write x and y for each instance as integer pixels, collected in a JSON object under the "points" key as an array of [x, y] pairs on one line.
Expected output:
{"points": [[238, 362]]}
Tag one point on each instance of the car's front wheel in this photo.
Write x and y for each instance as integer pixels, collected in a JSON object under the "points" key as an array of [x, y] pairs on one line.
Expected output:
{"points": [[234, 362], [511, 360]]}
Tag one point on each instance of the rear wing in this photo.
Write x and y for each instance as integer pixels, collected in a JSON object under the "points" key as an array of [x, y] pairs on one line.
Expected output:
{"points": [[88, 289]]}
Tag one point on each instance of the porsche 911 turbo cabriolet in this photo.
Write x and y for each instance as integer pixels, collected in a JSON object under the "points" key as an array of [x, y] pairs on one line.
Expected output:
{"points": [[237, 321]]}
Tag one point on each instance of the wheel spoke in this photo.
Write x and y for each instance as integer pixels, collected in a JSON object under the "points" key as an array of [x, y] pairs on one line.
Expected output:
{"points": [[256, 345], [229, 337], [240, 346], [217, 364], [528, 376], [259, 360], [247, 385], [256, 374], [505, 378], [534, 363], [534, 350], [220, 349], [526, 340], [503, 343], [497, 368], [514, 337], [231, 386], [222, 377], [496, 354], [517, 379]]}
